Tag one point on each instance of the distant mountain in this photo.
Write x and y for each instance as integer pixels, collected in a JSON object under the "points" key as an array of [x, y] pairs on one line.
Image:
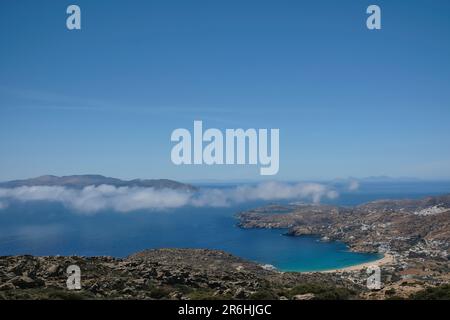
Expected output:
{"points": [[388, 179], [81, 181], [376, 179]]}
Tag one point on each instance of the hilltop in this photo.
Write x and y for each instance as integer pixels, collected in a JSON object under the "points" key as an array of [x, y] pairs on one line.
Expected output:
{"points": [[81, 181]]}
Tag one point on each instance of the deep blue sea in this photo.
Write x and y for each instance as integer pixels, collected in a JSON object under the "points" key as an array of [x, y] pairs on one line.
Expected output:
{"points": [[43, 228]]}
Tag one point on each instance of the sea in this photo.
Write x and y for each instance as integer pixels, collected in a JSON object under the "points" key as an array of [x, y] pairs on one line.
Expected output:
{"points": [[46, 228]]}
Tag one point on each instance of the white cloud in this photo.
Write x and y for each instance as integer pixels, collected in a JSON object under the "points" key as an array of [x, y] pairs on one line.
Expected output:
{"points": [[270, 191], [125, 199], [353, 185], [92, 198]]}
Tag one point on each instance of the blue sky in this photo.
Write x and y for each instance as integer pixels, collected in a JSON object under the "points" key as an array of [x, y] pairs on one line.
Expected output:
{"points": [[348, 101]]}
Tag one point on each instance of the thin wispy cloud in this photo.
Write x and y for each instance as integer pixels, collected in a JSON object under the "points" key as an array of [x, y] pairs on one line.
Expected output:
{"points": [[26, 98], [353, 185], [93, 199]]}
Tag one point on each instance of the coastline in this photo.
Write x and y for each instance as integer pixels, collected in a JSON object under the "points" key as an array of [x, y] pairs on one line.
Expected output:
{"points": [[386, 259]]}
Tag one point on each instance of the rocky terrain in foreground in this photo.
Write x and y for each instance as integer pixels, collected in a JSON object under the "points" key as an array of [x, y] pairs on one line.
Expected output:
{"points": [[187, 274], [165, 274], [415, 232]]}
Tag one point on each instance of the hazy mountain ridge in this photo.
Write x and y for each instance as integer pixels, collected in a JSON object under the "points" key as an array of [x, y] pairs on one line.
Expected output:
{"points": [[81, 181]]}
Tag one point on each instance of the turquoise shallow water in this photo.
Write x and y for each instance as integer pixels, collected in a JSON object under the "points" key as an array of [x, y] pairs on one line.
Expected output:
{"points": [[49, 229]]}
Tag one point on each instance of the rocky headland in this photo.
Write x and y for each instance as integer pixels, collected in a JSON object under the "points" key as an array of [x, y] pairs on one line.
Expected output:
{"points": [[415, 233]]}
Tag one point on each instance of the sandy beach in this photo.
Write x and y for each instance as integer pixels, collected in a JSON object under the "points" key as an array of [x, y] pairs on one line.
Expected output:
{"points": [[388, 258]]}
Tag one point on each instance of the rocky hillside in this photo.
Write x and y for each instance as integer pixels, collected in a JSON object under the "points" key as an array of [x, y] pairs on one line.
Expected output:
{"points": [[416, 233], [379, 226], [164, 274]]}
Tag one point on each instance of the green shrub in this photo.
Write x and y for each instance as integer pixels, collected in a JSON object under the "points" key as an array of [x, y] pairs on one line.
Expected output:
{"points": [[263, 294], [205, 294], [390, 292], [159, 292], [321, 291], [436, 293]]}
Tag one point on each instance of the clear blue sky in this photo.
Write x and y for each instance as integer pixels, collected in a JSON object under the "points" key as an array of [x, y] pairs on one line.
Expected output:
{"points": [[348, 101]]}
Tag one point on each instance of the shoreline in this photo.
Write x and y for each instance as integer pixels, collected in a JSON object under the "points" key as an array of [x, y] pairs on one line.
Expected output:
{"points": [[386, 259]]}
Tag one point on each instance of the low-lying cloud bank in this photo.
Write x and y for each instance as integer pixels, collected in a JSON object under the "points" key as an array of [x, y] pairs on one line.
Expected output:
{"points": [[124, 199], [353, 185]]}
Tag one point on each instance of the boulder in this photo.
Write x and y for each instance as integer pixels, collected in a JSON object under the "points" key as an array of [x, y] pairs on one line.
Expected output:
{"points": [[25, 282], [306, 296]]}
